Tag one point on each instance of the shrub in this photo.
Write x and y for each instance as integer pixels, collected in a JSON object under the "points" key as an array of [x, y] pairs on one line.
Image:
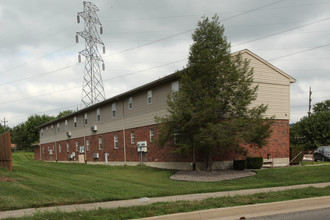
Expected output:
{"points": [[239, 164], [254, 162]]}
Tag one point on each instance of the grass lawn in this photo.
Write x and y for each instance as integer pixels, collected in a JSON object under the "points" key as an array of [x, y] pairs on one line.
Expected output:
{"points": [[164, 208], [45, 184]]}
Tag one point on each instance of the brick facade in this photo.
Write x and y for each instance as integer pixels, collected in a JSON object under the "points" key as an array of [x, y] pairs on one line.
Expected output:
{"points": [[278, 147]]}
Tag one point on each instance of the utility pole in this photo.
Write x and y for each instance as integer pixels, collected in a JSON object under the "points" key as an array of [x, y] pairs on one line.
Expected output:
{"points": [[4, 122], [93, 90], [310, 101]]}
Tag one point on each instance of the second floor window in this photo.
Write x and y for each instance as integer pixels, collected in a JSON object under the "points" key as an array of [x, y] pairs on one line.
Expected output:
{"points": [[149, 97], [75, 122], [98, 114], [85, 119], [113, 110], [66, 124], [130, 103]]}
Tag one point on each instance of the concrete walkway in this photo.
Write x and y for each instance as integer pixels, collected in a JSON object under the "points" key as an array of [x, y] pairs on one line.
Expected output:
{"points": [[146, 201]]}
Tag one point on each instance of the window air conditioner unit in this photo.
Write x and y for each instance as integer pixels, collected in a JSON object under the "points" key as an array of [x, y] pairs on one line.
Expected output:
{"points": [[96, 155], [68, 133], [94, 128], [70, 156]]}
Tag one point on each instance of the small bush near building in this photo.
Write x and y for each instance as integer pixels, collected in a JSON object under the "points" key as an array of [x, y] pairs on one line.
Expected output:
{"points": [[239, 164], [294, 151], [254, 162]]}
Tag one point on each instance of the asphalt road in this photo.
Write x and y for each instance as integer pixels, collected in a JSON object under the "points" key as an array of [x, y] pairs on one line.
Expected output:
{"points": [[317, 214]]}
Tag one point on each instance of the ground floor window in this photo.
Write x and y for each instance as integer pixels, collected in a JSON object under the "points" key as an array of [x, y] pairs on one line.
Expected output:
{"points": [[87, 145], [115, 139], [59, 148], [100, 143], [132, 137], [67, 147], [152, 135]]}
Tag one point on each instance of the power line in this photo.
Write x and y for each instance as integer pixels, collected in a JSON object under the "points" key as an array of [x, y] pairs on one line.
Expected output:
{"points": [[299, 52], [281, 32]]}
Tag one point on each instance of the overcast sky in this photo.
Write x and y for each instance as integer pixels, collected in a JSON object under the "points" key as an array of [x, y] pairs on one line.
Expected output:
{"points": [[149, 39]]}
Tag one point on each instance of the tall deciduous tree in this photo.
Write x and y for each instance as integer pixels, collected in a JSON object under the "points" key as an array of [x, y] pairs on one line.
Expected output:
{"points": [[211, 110], [314, 130]]}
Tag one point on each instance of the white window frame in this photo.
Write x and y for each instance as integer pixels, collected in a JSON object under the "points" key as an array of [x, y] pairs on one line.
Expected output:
{"points": [[66, 124], [100, 143], [114, 108], [42, 132], [59, 148], [132, 137], [149, 97], [52, 127], [175, 86], [85, 118], [130, 103], [115, 141], [87, 145], [77, 146], [75, 121], [98, 114], [58, 126], [67, 147], [152, 135]]}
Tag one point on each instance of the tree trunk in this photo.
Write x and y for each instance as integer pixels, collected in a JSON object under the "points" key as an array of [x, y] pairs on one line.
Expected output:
{"points": [[209, 162]]}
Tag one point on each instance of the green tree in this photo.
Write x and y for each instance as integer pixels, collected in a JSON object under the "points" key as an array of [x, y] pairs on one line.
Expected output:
{"points": [[314, 130], [25, 134], [64, 113], [210, 112], [322, 106]]}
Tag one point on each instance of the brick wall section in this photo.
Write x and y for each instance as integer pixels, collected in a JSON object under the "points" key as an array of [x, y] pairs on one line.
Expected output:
{"points": [[278, 147]]}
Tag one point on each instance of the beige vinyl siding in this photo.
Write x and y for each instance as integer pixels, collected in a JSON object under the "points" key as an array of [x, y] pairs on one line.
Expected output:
{"points": [[273, 90]]}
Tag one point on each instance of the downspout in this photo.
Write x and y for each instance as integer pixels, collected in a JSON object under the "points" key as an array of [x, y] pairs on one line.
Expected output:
{"points": [[55, 143], [85, 150], [124, 132]]}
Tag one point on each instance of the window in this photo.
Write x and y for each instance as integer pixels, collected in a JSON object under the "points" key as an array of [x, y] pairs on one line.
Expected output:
{"points": [[42, 132], [113, 110], [52, 127], [87, 145], [77, 144], [152, 135], [47, 128], [100, 143], [66, 124], [130, 103], [132, 137], [149, 97], [75, 121], [177, 138], [58, 126], [59, 148], [98, 114], [85, 119], [175, 87], [53, 148], [67, 147], [115, 139]]}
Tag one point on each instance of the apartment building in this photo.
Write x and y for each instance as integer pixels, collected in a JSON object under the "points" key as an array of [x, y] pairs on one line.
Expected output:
{"points": [[122, 130]]}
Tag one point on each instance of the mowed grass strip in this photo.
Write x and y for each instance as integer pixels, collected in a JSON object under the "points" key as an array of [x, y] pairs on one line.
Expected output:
{"points": [[164, 208], [41, 184]]}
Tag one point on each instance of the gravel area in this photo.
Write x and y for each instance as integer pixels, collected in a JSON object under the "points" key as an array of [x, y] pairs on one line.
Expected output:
{"points": [[214, 176]]}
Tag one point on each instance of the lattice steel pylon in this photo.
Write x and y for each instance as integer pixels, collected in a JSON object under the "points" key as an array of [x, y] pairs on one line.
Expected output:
{"points": [[93, 90]]}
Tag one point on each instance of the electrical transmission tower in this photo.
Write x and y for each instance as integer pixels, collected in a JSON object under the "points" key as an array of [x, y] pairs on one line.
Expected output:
{"points": [[93, 90]]}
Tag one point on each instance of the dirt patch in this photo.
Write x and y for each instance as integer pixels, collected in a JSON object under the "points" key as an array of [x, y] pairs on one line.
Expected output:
{"points": [[214, 176], [6, 179]]}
